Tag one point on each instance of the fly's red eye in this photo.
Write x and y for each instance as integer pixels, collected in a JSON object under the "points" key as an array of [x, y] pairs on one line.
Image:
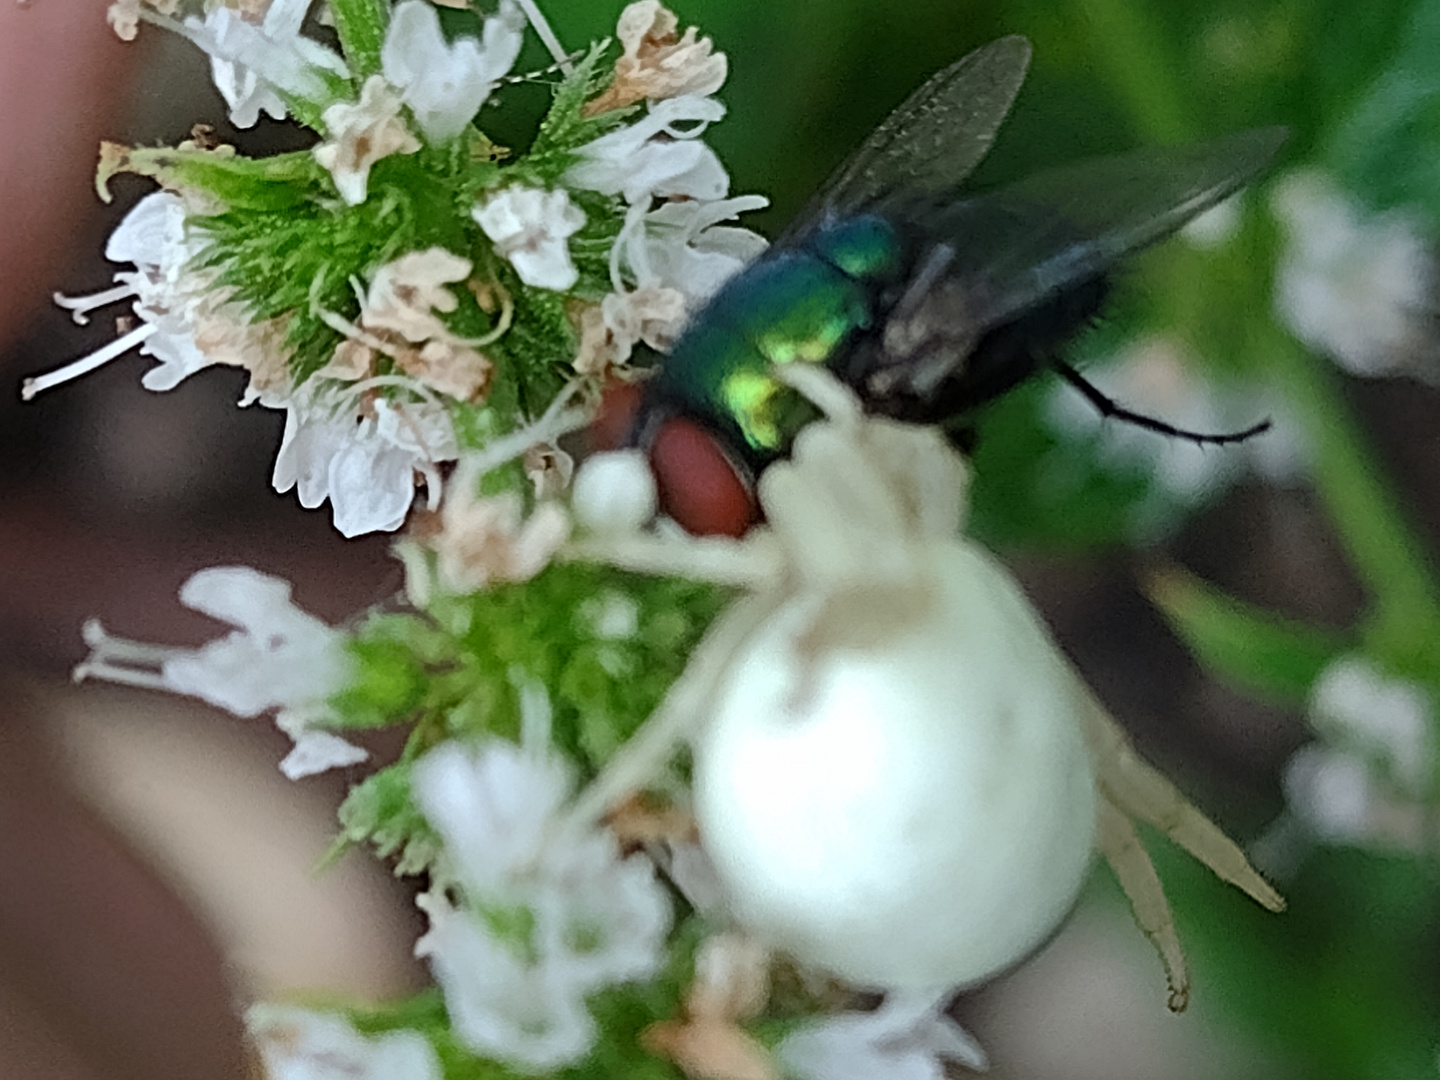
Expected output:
{"points": [[699, 485]]}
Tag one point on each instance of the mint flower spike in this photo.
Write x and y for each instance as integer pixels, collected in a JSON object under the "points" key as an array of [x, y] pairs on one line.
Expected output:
{"points": [[444, 83], [277, 657]]}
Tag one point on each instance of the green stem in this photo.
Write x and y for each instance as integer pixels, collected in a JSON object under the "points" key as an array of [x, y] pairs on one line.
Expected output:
{"points": [[1384, 551]]}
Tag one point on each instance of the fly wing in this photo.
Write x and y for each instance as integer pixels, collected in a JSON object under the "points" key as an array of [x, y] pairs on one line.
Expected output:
{"points": [[991, 259], [930, 143]]}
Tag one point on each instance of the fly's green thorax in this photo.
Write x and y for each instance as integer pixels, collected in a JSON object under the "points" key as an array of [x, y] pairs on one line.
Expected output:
{"points": [[804, 305]]}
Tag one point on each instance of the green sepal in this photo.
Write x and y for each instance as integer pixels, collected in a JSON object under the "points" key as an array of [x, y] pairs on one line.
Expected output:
{"points": [[1247, 644], [242, 183], [361, 26], [566, 128], [380, 812]]}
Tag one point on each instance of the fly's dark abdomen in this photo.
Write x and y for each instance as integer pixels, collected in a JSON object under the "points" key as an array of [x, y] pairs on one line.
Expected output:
{"points": [[806, 304]]}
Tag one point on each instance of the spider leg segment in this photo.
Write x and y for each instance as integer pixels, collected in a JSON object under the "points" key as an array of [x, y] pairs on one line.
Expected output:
{"points": [[1110, 410], [1130, 862]]}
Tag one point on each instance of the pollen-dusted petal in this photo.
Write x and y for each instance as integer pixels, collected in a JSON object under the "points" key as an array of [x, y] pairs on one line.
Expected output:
{"points": [[360, 134], [405, 292], [655, 63]]}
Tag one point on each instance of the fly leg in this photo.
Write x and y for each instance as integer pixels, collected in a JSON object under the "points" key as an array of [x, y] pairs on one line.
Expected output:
{"points": [[1110, 410]]}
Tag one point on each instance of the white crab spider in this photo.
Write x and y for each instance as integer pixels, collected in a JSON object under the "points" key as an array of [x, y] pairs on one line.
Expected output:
{"points": [[898, 776]]}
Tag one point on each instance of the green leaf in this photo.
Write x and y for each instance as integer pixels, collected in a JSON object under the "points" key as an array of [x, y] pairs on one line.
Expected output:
{"points": [[1247, 644], [273, 183]]}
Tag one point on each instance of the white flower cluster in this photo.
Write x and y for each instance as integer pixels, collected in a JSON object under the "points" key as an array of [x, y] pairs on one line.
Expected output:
{"points": [[354, 437], [1368, 782], [544, 917], [278, 657], [1359, 288]]}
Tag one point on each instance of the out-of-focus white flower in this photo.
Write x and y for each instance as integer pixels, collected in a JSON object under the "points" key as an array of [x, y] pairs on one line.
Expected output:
{"points": [[252, 65], [656, 155], [531, 227], [1368, 783], [124, 16], [1355, 704], [443, 82], [1359, 288], [492, 807], [593, 918], [302, 1044], [360, 134], [364, 465], [278, 657], [905, 1039], [499, 1006]]}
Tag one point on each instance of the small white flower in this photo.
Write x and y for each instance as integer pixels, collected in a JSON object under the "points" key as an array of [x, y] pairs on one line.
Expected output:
{"points": [[493, 807], [1358, 288], [656, 156], [499, 1006], [302, 1044], [365, 466], [905, 1039], [252, 65], [530, 227], [278, 657], [682, 245], [596, 918], [360, 134], [444, 83]]}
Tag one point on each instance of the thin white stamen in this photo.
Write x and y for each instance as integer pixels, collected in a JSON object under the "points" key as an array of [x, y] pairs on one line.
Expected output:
{"points": [[537, 20], [79, 305], [146, 680], [117, 660], [86, 364]]}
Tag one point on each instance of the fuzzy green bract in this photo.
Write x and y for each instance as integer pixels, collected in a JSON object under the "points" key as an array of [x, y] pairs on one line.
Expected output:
{"points": [[456, 671]]}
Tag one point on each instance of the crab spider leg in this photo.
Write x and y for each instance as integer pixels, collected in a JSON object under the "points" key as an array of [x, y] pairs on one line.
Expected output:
{"points": [[1137, 789], [1119, 843], [675, 719]]}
